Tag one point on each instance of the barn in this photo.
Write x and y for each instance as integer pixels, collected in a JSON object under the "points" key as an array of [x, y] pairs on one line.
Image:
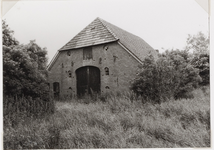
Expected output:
{"points": [[101, 58]]}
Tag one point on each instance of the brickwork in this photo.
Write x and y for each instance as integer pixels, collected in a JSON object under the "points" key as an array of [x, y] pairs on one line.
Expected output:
{"points": [[122, 68]]}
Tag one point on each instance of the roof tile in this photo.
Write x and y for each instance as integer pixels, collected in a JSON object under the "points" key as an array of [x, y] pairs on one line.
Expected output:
{"points": [[100, 32]]}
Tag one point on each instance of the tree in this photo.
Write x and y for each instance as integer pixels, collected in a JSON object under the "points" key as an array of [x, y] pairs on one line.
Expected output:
{"points": [[201, 62], [199, 45], [170, 76], [7, 35], [24, 68]]}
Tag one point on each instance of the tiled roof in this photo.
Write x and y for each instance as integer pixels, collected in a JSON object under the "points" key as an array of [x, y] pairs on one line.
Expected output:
{"points": [[95, 33], [100, 31], [132, 42]]}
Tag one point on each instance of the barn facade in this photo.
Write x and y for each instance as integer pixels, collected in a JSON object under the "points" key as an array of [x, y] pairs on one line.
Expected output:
{"points": [[101, 58]]}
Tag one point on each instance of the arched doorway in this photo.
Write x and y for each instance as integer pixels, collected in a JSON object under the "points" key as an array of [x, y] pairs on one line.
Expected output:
{"points": [[88, 80]]}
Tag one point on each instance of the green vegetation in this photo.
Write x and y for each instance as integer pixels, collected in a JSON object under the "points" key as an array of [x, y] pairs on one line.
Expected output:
{"points": [[119, 122]]}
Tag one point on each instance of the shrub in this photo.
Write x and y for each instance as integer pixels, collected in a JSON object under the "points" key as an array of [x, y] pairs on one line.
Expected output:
{"points": [[183, 123], [170, 76], [199, 45], [201, 62], [18, 108], [24, 67], [25, 88]]}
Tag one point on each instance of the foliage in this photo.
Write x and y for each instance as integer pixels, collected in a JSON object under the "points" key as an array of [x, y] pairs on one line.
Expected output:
{"points": [[170, 76], [199, 45], [202, 63], [25, 89], [24, 68], [186, 76], [7, 35], [175, 73], [117, 123], [14, 109]]}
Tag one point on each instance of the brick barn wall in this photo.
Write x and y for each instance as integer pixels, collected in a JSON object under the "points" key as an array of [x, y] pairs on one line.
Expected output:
{"points": [[122, 69]]}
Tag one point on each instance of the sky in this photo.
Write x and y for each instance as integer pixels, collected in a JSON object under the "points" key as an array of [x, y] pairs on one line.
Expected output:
{"points": [[163, 24]]}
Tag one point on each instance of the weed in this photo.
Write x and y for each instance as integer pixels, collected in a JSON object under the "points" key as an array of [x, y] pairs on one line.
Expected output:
{"points": [[118, 122]]}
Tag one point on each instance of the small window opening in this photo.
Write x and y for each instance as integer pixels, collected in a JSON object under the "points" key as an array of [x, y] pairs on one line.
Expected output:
{"points": [[105, 47], [69, 53], [56, 87], [106, 71], [100, 61], [70, 88], [62, 65], [107, 87], [72, 63], [87, 53], [69, 73], [48, 85]]}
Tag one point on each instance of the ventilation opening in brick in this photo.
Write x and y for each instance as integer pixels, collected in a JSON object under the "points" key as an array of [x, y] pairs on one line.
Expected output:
{"points": [[69, 53], [69, 74], [56, 86], [105, 47], [106, 71], [100, 61], [48, 86]]}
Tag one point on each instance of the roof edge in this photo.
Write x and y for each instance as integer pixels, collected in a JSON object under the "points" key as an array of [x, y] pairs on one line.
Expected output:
{"points": [[112, 33], [88, 45], [52, 61], [132, 54], [57, 53]]}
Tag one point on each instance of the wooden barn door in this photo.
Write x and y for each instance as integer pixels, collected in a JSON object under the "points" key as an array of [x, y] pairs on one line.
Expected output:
{"points": [[88, 80]]}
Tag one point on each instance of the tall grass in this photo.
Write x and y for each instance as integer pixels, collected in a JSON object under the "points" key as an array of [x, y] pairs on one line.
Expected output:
{"points": [[118, 122], [16, 109]]}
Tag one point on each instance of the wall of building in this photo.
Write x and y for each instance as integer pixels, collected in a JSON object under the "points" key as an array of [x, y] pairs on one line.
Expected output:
{"points": [[122, 69]]}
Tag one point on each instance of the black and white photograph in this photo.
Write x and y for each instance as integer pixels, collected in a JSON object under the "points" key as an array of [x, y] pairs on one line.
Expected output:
{"points": [[95, 74]]}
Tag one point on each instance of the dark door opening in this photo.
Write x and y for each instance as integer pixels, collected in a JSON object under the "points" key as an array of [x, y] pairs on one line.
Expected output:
{"points": [[56, 90], [88, 80]]}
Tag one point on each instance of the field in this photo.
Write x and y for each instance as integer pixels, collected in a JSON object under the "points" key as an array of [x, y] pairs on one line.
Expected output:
{"points": [[116, 122]]}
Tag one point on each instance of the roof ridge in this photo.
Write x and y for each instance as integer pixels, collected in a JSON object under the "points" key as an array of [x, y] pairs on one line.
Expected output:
{"points": [[119, 28], [62, 48], [75, 38], [101, 20]]}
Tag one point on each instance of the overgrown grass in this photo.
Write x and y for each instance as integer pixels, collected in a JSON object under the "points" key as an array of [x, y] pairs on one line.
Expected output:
{"points": [[118, 122]]}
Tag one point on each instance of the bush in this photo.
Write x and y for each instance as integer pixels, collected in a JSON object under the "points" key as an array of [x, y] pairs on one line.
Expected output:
{"points": [[201, 62], [199, 45], [170, 76], [117, 123], [25, 87], [15, 109]]}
